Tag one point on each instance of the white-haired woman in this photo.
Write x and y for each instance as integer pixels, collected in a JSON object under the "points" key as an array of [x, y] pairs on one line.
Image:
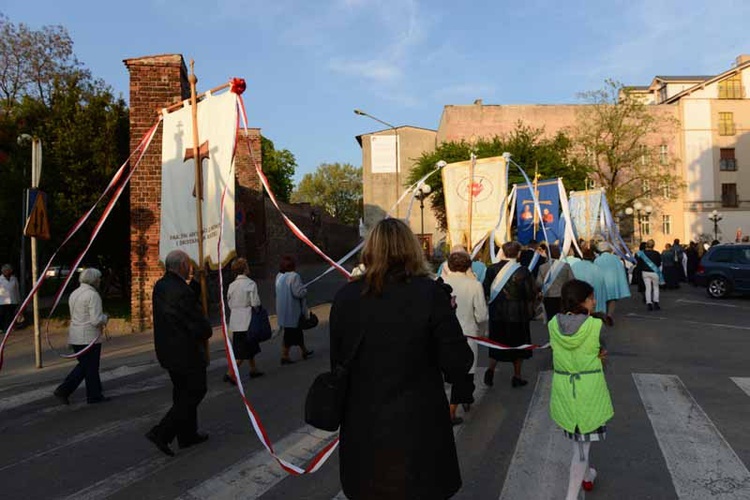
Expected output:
{"points": [[86, 323], [9, 296]]}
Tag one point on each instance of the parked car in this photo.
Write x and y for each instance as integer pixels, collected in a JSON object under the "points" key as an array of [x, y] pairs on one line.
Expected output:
{"points": [[61, 271], [725, 269]]}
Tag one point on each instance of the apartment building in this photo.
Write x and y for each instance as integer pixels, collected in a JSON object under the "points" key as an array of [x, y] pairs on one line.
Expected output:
{"points": [[709, 148]]}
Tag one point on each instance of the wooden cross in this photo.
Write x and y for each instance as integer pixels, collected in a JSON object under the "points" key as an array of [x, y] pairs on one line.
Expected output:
{"points": [[202, 155]]}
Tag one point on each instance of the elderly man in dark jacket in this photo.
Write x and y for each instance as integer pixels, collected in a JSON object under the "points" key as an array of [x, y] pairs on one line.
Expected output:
{"points": [[180, 332]]}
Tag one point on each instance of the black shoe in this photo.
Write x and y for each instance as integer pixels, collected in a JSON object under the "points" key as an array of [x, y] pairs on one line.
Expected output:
{"points": [[488, 376], [286, 361], [307, 354], [650, 307], [256, 374], [62, 398], [197, 439], [518, 382], [457, 421], [229, 380], [101, 399], [656, 306], [159, 443]]}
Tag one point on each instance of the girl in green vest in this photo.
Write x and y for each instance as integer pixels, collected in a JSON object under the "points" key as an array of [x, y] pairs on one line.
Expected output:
{"points": [[580, 401]]}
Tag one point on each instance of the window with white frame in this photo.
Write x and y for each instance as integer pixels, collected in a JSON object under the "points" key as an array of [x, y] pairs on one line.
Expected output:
{"points": [[663, 154], [646, 224], [666, 190], [644, 155], [666, 224], [646, 186]]}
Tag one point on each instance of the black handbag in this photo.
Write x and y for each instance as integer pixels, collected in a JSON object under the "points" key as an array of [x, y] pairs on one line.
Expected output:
{"points": [[309, 321], [324, 404], [260, 326]]}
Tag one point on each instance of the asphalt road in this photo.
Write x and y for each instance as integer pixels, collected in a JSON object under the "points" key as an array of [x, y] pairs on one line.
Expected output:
{"points": [[679, 378]]}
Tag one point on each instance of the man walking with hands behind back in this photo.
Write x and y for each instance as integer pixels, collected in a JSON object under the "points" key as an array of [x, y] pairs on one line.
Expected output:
{"points": [[180, 332]]}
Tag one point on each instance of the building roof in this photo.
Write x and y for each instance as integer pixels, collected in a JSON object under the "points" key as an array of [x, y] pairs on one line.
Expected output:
{"points": [[708, 81], [684, 78], [359, 137]]}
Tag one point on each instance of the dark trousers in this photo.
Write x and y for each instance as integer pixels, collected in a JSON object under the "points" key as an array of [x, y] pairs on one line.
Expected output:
{"points": [[88, 369], [7, 311], [181, 421], [462, 390]]}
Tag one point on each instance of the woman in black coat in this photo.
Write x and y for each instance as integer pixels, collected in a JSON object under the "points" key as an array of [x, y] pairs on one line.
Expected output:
{"points": [[396, 433]]}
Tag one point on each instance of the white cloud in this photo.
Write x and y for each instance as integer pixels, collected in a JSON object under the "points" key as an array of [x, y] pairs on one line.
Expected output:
{"points": [[379, 71]]}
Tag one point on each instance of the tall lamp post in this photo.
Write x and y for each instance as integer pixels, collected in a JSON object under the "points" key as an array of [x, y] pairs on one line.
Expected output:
{"points": [[36, 172], [421, 192], [639, 210], [715, 217], [395, 136]]}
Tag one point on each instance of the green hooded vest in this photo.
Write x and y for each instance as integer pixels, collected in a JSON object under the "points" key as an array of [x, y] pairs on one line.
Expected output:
{"points": [[580, 397]]}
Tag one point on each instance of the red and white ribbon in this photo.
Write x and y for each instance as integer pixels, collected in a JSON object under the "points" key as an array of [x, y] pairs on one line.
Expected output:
{"points": [[320, 458], [502, 347], [114, 182]]}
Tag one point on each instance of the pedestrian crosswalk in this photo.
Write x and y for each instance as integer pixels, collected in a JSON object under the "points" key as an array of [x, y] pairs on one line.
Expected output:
{"points": [[697, 460]]}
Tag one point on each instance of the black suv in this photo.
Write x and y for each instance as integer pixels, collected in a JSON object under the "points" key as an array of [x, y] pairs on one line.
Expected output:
{"points": [[725, 269]]}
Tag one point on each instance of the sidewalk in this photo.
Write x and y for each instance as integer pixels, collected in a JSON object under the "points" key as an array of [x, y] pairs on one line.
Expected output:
{"points": [[132, 348]]}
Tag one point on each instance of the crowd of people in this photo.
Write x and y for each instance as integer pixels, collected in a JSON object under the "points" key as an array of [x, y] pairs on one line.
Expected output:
{"points": [[403, 330]]}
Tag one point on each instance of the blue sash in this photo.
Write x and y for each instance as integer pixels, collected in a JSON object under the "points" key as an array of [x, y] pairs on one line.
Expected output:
{"points": [[650, 265], [554, 271], [502, 278], [534, 261]]}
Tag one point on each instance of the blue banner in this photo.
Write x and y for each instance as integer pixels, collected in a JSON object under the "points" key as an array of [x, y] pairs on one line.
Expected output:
{"points": [[527, 219]]}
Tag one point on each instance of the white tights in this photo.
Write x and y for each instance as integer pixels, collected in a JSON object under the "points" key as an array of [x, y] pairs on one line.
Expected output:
{"points": [[579, 469]]}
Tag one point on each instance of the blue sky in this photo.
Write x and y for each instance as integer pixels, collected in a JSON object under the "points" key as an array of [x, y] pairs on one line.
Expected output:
{"points": [[308, 64]]}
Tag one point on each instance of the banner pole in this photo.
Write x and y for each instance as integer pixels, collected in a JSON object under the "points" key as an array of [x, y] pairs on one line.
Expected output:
{"points": [[201, 270], [471, 198]]}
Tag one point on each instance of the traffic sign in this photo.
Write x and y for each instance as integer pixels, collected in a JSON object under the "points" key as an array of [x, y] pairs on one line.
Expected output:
{"points": [[37, 222]]}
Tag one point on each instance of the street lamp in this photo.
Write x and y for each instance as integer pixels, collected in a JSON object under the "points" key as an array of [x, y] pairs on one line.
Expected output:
{"points": [[715, 217], [639, 210], [395, 135], [421, 192]]}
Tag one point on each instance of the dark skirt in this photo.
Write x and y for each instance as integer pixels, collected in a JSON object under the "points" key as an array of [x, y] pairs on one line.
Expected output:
{"points": [[462, 391], [243, 347], [510, 334], [671, 276], [552, 306], [293, 336]]}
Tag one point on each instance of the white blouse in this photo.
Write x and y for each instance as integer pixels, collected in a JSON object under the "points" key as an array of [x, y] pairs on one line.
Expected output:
{"points": [[242, 296], [86, 317]]}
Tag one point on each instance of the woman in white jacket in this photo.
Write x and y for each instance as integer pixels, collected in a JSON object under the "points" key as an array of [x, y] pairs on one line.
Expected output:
{"points": [[242, 296], [86, 323], [471, 310]]}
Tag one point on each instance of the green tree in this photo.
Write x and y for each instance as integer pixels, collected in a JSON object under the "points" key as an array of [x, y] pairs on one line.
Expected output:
{"points": [[615, 137], [528, 147], [84, 132], [336, 188], [279, 167]]}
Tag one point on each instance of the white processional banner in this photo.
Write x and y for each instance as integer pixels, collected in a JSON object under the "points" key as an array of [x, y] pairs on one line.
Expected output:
{"points": [[487, 190], [217, 132]]}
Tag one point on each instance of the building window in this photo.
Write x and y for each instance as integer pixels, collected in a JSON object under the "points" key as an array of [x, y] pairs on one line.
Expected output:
{"points": [[729, 195], [663, 93], [663, 154], [646, 224], [666, 190], [644, 155], [731, 88], [726, 123], [666, 224], [646, 186], [727, 160]]}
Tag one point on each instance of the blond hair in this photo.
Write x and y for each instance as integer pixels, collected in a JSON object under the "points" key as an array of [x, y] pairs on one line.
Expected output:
{"points": [[391, 248]]}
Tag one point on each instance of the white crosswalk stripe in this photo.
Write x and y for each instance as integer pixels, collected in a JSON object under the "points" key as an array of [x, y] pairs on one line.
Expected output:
{"points": [[539, 468], [743, 383], [259, 473], [701, 462]]}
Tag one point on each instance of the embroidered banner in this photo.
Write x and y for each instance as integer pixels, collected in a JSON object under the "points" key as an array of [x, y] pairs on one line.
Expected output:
{"points": [[585, 207], [528, 220], [485, 190], [217, 129]]}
